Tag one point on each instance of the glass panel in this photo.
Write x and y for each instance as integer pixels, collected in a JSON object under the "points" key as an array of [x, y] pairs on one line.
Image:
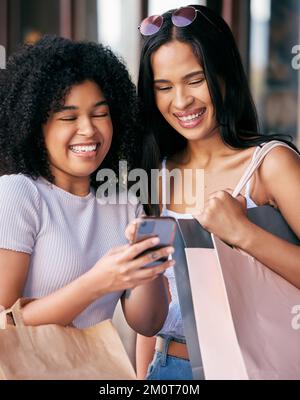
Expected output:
{"points": [[85, 19], [118, 22], [159, 7], [30, 19], [38, 17], [274, 66], [2, 57]]}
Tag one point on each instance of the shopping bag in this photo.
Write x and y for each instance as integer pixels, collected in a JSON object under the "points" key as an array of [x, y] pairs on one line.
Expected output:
{"points": [[242, 310], [53, 352]]}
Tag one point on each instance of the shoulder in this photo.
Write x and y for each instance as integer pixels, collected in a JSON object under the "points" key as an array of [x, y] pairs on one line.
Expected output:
{"points": [[280, 161], [279, 175], [17, 182], [18, 188]]}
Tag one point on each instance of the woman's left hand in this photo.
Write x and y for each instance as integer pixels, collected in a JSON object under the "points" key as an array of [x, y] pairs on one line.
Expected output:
{"points": [[131, 229], [225, 217]]}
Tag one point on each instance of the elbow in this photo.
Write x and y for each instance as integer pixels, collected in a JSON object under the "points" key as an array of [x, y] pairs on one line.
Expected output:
{"points": [[150, 331], [152, 325]]}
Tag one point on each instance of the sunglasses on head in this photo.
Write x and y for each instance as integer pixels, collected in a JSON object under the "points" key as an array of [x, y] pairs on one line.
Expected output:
{"points": [[183, 16]]}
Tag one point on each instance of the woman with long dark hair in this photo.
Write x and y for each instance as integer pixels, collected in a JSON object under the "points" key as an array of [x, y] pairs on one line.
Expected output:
{"points": [[199, 115]]}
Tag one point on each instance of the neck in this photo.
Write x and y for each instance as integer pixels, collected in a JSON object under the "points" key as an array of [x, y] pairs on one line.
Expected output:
{"points": [[79, 186], [205, 152]]}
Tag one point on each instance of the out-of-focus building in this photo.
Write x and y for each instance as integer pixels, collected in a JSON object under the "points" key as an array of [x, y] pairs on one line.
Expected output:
{"points": [[267, 33]]}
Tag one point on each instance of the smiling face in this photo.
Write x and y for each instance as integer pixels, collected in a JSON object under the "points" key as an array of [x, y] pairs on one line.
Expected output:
{"points": [[78, 135], [181, 91]]}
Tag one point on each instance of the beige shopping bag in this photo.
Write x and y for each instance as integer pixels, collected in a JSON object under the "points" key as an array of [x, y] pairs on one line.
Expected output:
{"points": [[53, 352]]}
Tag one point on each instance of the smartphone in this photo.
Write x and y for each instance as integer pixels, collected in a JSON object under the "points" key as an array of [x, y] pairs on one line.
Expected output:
{"points": [[162, 227]]}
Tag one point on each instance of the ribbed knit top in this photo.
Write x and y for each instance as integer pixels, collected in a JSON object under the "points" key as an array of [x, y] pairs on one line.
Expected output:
{"points": [[65, 235]]}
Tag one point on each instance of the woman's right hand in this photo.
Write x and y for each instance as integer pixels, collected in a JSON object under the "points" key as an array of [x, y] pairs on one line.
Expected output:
{"points": [[122, 268]]}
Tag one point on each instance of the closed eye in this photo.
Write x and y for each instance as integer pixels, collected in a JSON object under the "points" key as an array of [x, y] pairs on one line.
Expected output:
{"points": [[68, 119], [100, 115], [196, 82], [162, 88]]}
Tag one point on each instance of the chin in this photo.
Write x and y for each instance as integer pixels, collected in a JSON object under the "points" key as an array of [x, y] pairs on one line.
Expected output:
{"points": [[84, 173], [193, 136]]}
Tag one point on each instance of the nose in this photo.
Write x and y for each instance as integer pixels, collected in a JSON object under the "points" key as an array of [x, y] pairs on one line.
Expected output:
{"points": [[183, 99], [86, 127]]}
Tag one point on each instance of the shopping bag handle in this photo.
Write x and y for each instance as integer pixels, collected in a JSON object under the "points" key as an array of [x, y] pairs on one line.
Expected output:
{"points": [[258, 157], [13, 315]]}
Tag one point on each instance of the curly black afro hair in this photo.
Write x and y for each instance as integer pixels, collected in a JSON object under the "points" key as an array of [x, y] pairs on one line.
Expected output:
{"points": [[38, 78]]}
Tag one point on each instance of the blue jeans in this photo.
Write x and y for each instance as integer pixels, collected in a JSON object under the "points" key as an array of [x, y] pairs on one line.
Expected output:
{"points": [[166, 367]]}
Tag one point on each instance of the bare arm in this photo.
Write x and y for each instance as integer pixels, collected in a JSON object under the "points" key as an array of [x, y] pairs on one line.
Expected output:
{"points": [[13, 272], [145, 348], [225, 217], [280, 174], [60, 307], [118, 270], [146, 307], [279, 255]]}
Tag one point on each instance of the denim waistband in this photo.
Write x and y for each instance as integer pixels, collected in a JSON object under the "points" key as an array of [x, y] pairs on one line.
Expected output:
{"points": [[167, 340], [171, 337]]}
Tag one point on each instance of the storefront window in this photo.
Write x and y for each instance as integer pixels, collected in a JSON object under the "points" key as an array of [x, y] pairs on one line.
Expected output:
{"points": [[159, 7], [274, 68], [118, 22], [30, 19]]}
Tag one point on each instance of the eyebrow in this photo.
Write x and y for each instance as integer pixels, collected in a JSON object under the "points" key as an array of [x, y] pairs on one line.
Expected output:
{"points": [[74, 108], [185, 77]]}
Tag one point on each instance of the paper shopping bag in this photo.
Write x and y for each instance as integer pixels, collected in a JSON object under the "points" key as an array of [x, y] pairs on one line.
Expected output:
{"points": [[242, 309], [53, 352], [242, 314]]}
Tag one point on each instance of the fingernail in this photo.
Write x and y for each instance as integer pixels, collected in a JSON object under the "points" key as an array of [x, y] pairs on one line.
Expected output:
{"points": [[171, 250], [155, 240], [173, 262]]}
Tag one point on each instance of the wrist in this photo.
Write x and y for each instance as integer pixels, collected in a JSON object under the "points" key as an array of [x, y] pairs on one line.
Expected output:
{"points": [[246, 236], [89, 285]]}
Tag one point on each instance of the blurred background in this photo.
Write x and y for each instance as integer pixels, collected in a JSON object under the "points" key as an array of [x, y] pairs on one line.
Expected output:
{"points": [[266, 32]]}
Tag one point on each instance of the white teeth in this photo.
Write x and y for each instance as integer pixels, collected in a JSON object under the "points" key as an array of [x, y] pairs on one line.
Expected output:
{"points": [[83, 149], [191, 117]]}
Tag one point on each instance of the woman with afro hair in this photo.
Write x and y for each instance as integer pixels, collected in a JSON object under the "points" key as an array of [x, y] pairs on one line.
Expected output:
{"points": [[67, 110]]}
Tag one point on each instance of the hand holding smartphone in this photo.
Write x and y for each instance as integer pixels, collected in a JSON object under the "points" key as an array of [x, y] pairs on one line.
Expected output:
{"points": [[162, 227]]}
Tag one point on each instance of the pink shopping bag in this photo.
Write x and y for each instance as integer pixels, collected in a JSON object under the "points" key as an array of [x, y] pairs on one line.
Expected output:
{"points": [[242, 310]]}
